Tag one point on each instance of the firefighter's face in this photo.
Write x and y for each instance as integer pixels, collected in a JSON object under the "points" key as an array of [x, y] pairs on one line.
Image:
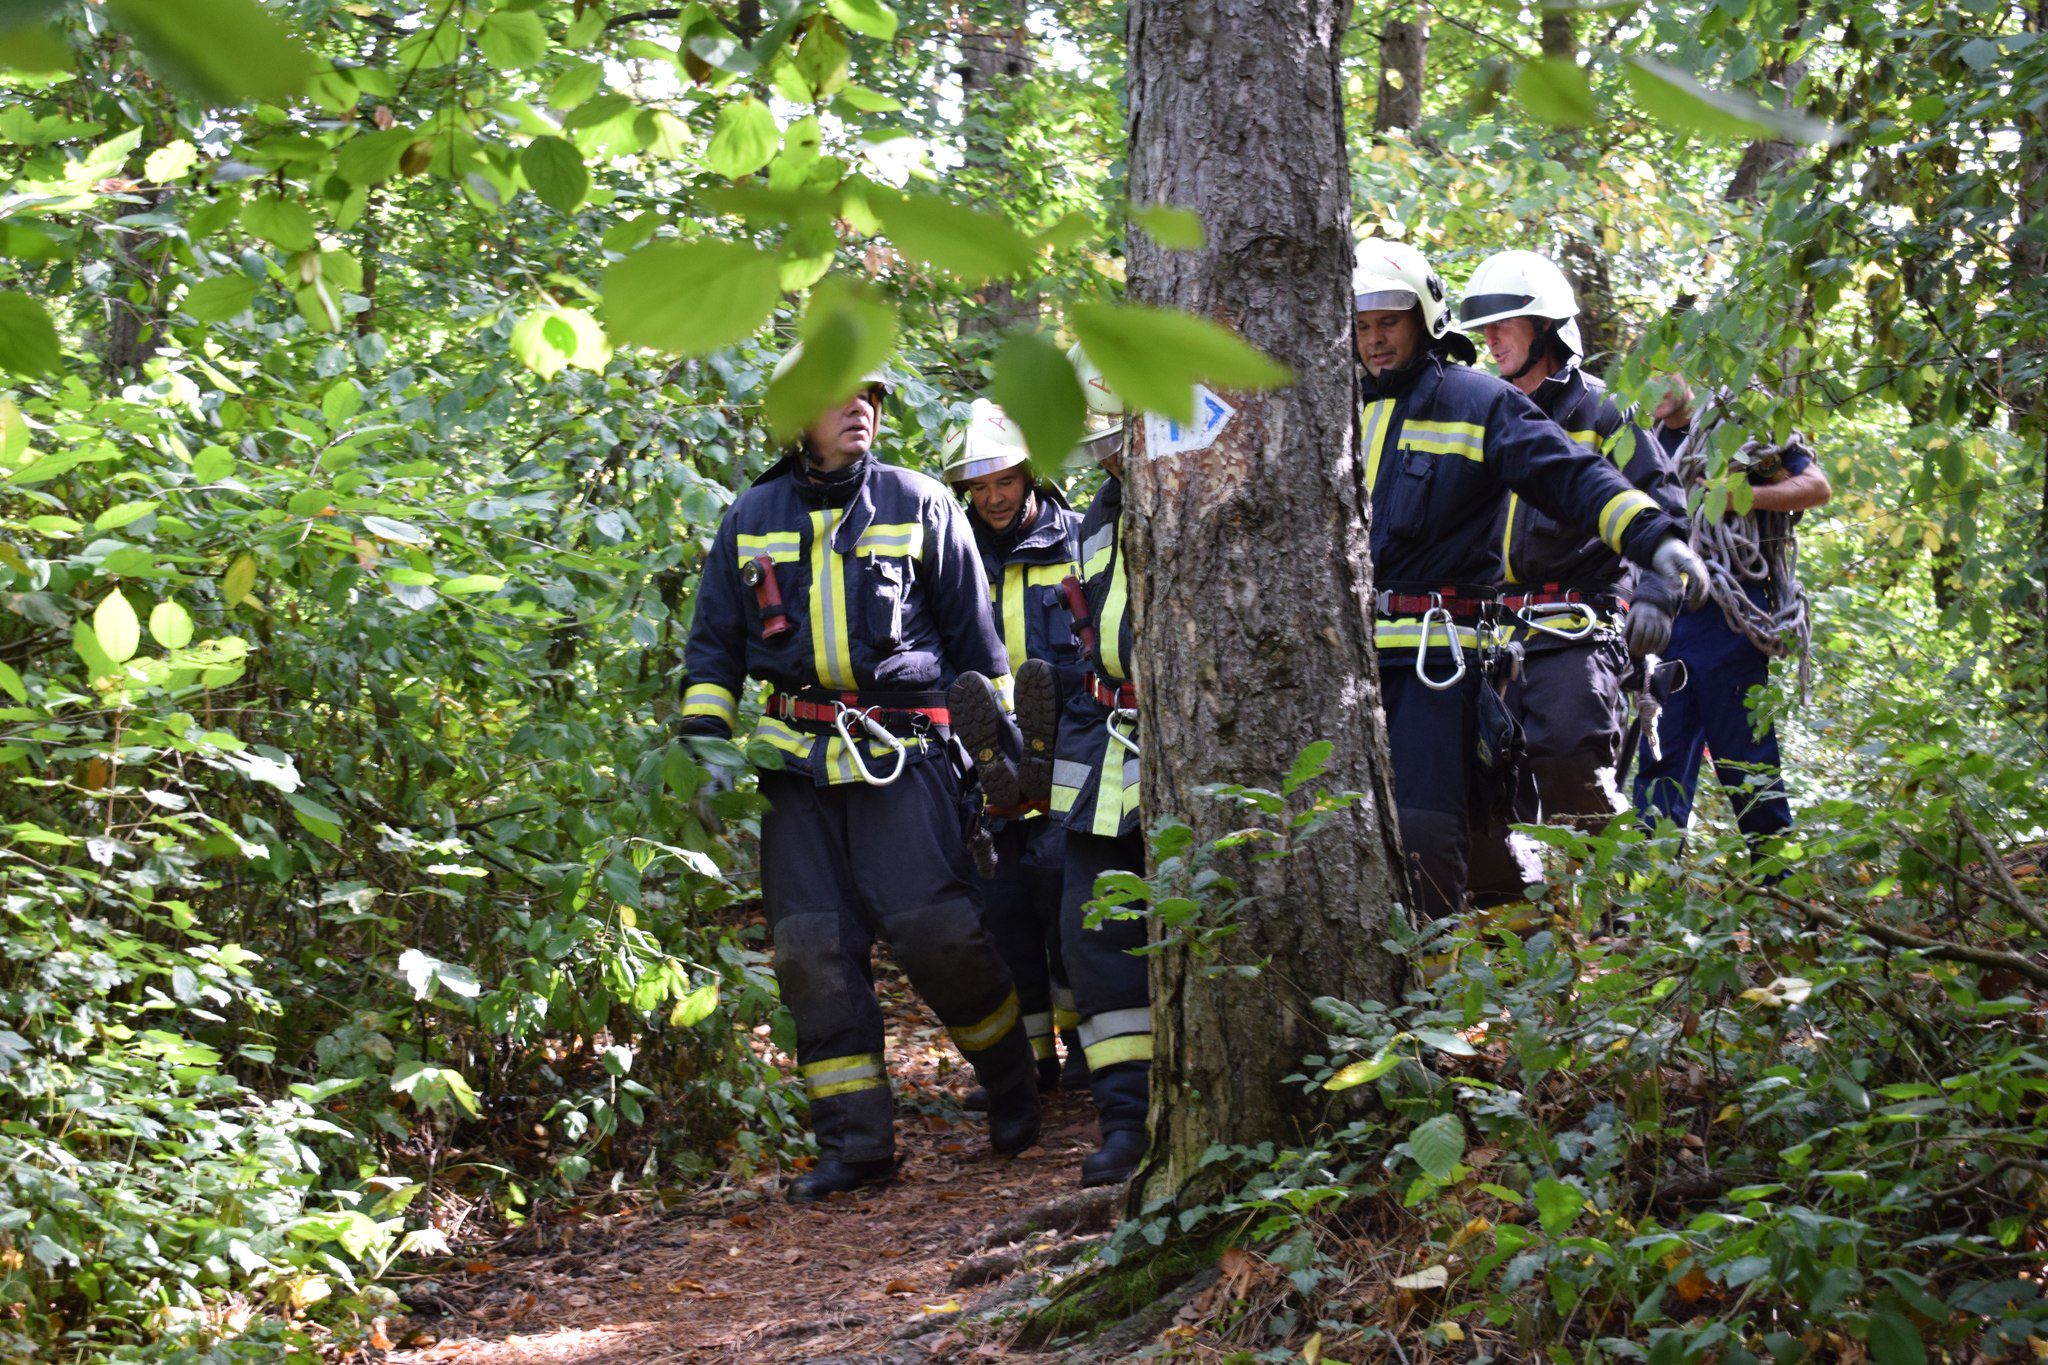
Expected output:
{"points": [[1389, 338], [844, 433], [1508, 342], [999, 497]]}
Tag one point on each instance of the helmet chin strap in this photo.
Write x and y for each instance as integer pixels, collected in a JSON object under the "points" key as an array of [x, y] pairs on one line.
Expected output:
{"points": [[1537, 349]]}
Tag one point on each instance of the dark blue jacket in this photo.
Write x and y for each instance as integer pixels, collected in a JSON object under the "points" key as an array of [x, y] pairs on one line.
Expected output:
{"points": [[1094, 774], [1444, 447], [1025, 567], [880, 578]]}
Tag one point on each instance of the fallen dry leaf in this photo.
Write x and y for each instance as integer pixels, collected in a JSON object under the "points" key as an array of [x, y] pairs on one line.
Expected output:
{"points": [[899, 1287]]}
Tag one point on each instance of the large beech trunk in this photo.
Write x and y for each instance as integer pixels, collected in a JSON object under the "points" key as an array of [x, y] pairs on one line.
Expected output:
{"points": [[1251, 577]]}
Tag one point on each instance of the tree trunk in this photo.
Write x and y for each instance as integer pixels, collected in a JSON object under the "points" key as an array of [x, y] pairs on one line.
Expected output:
{"points": [[1404, 57], [1251, 575], [995, 56], [2029, 404]]}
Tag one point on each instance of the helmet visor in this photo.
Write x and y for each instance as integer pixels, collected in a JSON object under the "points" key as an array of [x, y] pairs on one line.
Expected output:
{"points": [[1385, 300], [1475, 306]]}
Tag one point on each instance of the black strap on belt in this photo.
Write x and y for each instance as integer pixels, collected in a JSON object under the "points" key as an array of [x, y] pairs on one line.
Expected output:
{"points": [[815, 711]]}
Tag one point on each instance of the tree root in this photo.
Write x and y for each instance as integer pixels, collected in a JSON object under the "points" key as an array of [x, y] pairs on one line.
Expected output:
{"points": [[1084, 1211], [1131, 1295]]}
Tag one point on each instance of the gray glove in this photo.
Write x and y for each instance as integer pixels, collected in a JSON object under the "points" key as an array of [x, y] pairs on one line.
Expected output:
{"points": [[1677, 561], [1649, 629]]}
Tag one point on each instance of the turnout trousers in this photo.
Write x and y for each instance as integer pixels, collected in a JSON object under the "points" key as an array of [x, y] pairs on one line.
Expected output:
{"points": [[1711, 712], [1021, 910], [841, 866], [1110, 983], [1574, 713], [1431, 738]]}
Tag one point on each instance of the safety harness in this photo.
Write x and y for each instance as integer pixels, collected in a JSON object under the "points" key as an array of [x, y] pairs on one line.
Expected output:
{"points": [[892, 719]]}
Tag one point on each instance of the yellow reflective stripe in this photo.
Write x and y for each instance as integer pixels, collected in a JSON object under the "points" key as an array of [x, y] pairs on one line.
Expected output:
{"points": [[1118, 792], [1445, 438], [777, 734], [1065, 1017], [709, 699], [1041, 1047], [1046, 575], [1621, 509], [1110, 634], [1408, 631], [1131, 1047], [781, 547], [829, 652], [1006, 691], [899, 538], [1064, 798], [1585, 438], [1378, 415], [844, 1075], [1013, 614], [1098, 561], [986, 1034], [1507, 538]]}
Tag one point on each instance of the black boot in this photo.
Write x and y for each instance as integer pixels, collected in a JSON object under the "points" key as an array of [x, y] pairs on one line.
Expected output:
{"points": [[1116, 1160], [832, 1176], [991, 738], [1013, 1122], [1038, 719], [1074, 1072]]}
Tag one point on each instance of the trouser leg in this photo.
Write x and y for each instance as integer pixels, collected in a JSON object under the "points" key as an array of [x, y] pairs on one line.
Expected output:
{"points": [[1573, 717], [913, 875], [1665, 786], [1045, 861], [1430, 736], [1109, 981], [824, 966], [1747, 763], [1011, 915]]}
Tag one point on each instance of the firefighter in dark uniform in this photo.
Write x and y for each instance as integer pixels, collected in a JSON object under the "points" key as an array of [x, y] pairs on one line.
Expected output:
{"points": [[1582, 615], [1444, 445], [1027, 536], [1095, 792], [852, 588]]}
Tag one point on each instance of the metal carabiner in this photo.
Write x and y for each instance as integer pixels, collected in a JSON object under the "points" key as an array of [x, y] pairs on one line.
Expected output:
{"points": [[1128, 714], [880, 733], [1438, 609], [1533, 618]]}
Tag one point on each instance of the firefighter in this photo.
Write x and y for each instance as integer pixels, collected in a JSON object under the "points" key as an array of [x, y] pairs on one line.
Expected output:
{"points": [[853, 589], [1027, 536], [1095, 793], [1444, 445], [1578, 610]]}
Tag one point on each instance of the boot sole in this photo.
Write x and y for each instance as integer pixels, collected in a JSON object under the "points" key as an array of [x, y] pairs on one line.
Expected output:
{"points": [[1014, 1146], [1119, 1177], [791, 1196], [978, 721], [1038, 716]]}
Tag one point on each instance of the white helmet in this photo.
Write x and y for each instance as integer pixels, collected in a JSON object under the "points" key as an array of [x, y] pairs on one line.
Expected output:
{"points": [[877, 377], [1103, 401], [1389, 275], [1521, 284], [988, 444]]}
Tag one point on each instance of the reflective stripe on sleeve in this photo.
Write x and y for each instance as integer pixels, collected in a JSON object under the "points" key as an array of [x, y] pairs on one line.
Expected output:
{"points": [[902, 539], [986, 1034], [1621, 509], [1445, 438], [1507, 538], [781, 547], [709, 699], [1131, 1047], [844, 1075]]}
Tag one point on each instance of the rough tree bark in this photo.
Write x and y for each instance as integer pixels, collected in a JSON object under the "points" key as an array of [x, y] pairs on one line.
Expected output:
{"points": [[2029, 399], [1251, 577], [1404, 60]]}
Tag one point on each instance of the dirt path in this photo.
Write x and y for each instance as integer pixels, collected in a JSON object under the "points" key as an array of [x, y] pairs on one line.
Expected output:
{"points": [[740, 1275]]}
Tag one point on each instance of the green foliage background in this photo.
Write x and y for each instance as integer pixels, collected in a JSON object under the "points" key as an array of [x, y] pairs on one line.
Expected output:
{"points": [[380, 370]]}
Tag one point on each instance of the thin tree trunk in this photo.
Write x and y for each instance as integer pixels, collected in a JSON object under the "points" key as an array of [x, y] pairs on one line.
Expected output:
{"points": [[1251, 575], [995, 57], [2029, 405], [1404, 58]]}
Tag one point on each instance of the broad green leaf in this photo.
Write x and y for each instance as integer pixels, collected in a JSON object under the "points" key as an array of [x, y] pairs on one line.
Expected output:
{"points": [[13, 432], [34, 47], [170, 625], [823, 57], [115, 626], [170, 162], [1676, 98], [964, 242], [213, 464], [534, 348], [1558, 1205], [10, 683], [371, 158], [512, 40], [472, 583], [389, 528], [846, 333], [865, 101], [1445, 1042], [1438, 1144], [871, 17], [744, 137], [218, 51], [555, 169], [1175, 229], [1154, 357], [1894, 1340], [695, 1007], [28, 339], [1309, 765], [341, 402], [122, 513], [1555, 90], [284, 223], [220, 298], [1358, 1073], [317, 819], [1040, 391], [688, 298], [240, 579], [55, 525]]}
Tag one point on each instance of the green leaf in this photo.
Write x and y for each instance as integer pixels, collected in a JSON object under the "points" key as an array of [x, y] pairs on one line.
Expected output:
{"points": [[116, 628], [1175, 229], [871, 17], [121, 514], [1894, 1340], [1555, 90], [546, 355], [823, 57], [170, 625], [218, 51], [28, 339], [1309, 765], [964, 242], [317, 819], [10, 683], [34, 47], [555, 169], [373, 157], [1558, 1204], [512, 40], [284, 223], [239, 580], [170, 162], [744, 137], [865, 101], [1445, 1042], [388, 528], [688, 298], [213, 464], [1675, 98], [695, 1007], [1038, 388], [1358, 1073], [846, 334], [472, 583], [220, 298], [1438, 1145], [1154, 357]]}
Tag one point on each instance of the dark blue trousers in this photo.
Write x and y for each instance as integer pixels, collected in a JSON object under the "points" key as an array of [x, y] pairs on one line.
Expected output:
{"points": [[1111, 987]]}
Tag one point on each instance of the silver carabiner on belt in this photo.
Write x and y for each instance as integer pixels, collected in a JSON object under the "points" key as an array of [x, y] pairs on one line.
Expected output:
{"points": [[1534, 617], [1128, 715], [881, 734], [1437, 610]]}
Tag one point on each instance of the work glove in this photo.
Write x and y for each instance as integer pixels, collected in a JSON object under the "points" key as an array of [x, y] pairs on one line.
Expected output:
{"points": [[1649, 629], [1678, 562]]}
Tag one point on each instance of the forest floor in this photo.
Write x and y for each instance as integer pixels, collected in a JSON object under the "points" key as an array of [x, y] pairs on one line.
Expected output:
{"points": [[737, 1274]]}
